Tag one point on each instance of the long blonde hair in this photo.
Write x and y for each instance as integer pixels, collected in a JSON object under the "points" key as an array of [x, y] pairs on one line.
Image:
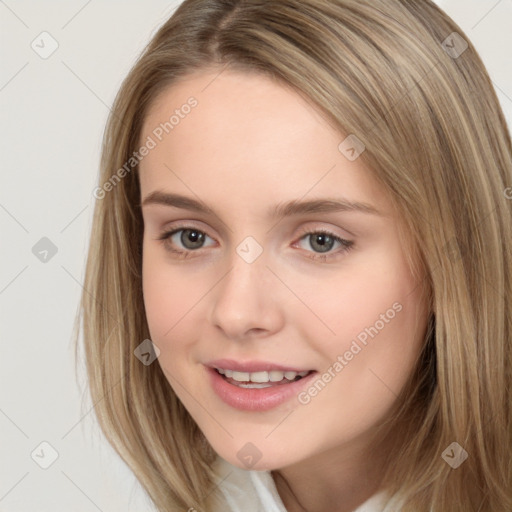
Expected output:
{"points": [[393, 73]]}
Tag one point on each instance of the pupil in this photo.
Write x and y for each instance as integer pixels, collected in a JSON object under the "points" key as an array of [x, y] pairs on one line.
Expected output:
{"points": [[324, 242], [191, 239]]}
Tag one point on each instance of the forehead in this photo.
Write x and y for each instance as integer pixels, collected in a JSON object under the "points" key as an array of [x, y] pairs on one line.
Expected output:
{"points": [[246, 135], [228, 101]]}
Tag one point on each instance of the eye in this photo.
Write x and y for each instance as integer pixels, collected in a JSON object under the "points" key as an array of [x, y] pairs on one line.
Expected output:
{"points": [[184, 240], [190, 239], [322, 241]]}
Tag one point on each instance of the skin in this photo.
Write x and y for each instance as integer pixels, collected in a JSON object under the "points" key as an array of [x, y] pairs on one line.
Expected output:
{"points": [[249, 144]]}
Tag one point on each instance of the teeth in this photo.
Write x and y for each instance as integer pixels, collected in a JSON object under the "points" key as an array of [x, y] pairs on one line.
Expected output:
{"points": [[241, 376], [276, 376], [261, 377]]}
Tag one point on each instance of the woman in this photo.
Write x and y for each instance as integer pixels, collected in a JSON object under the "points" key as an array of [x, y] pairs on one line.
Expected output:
{"points": [[236, 359]]}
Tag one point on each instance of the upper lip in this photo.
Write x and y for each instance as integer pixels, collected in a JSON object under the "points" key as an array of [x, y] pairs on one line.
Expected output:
{"points": [[252, 366]]}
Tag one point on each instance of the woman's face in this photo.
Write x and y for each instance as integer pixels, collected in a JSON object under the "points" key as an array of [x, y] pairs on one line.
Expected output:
{"points": [[293, 262]]}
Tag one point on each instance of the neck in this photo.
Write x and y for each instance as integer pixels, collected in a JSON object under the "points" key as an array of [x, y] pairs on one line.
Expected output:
{"points": [[338, 480]]}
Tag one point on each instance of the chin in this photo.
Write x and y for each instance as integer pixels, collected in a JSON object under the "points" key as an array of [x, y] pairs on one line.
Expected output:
{"points": [[256, 456]]}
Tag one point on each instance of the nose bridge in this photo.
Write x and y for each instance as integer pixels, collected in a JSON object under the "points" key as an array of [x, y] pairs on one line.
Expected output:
{"points": [[242, 301], [247, 272]]}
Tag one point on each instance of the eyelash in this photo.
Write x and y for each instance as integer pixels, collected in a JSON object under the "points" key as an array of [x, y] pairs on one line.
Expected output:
{"points": [[346, 245]]}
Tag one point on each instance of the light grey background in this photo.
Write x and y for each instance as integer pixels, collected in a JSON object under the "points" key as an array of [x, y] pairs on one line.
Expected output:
{"points": [[53, 113]]}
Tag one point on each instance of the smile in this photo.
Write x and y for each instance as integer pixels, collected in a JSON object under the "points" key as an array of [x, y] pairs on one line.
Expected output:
{"points": [[261, 379], [260, 390]]}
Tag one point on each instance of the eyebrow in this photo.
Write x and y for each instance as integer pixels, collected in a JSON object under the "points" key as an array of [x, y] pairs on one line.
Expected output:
{"points": [[287, 209]]}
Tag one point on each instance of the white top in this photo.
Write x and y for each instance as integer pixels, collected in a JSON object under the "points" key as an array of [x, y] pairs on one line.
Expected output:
{"points": [[255, 491]]}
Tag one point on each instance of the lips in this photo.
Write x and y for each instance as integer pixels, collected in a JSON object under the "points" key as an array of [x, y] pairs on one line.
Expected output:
{"points": [[253, 397], [253, 366]]}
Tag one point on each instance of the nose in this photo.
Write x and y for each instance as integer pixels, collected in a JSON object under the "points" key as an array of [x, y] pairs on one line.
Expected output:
{"points": [[246, 300]]}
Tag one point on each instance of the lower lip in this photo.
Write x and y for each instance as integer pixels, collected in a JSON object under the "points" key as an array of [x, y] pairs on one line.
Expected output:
{"points": [[253, 399]]}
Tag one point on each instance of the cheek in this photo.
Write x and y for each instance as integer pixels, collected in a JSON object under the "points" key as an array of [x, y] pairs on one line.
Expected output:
{"points": [[380, 319], [164, 304], [361, 301], [167, 297], [174, 301], [160, 305], [376, 319]]}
